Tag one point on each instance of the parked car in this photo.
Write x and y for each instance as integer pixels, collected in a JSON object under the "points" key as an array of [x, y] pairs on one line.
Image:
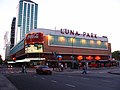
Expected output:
{"points": [[93, 65], [36, 66], [43, 70]]}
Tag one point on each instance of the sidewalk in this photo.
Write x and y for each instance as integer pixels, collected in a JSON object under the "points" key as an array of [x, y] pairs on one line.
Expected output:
{"points": [[5, 84], [116, 70]]}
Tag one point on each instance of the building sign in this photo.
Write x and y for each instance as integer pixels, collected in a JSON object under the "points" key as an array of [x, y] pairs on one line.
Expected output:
{"points": [[33, 48], [89, 57], [97, 57], [80, 57], [76, 33], [59, 57], [32, 38]]}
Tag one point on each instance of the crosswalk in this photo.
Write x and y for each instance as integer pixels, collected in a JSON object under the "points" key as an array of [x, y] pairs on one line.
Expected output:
{"points": [[82, 71], [14, 72], [18, 70]]}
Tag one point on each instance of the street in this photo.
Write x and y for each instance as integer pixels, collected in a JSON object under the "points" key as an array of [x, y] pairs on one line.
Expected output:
{"points": [[101, 80]]}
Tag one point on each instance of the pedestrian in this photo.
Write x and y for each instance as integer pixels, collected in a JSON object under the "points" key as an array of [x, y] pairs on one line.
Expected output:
{"points": [[24, 69], [84, 69], [61, 67], [65, 65], [53, 66]]}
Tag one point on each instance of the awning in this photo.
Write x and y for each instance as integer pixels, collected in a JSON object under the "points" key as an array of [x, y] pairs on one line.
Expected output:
{"points": [[10, 62], [30, 59]]}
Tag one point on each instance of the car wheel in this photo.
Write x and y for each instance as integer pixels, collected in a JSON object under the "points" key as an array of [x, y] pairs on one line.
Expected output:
{"points": [[37, 72], [41, 72], [49, 73]]}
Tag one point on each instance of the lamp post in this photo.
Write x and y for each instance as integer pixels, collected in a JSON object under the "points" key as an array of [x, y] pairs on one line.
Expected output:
{"points": [[72, 52], [72, 48]]}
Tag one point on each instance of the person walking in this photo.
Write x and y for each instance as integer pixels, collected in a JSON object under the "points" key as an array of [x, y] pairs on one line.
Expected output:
{"points": [[24, 69], [84, 70], [62, 67]]}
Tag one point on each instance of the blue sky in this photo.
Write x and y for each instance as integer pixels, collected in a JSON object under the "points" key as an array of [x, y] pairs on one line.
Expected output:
{"points": [[101, 17]]}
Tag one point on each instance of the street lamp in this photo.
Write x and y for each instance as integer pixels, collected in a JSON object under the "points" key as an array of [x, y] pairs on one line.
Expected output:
{"points": [[72, 52], [73, 41]]}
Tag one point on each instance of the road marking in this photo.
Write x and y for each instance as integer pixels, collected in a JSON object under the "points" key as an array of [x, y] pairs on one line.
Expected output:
{"points": [[106, 81], [70, 85], [60, 75], [42, 78], [85, 78], [53, 81], [70, 76], [10, 72]]}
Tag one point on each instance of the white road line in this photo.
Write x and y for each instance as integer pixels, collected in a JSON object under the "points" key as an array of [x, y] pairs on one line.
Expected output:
{"points": [[60, 75], [85, 78], [70, 85], [70, 76], [106, 81], [53, 81], [10, 72], [42, 78]]}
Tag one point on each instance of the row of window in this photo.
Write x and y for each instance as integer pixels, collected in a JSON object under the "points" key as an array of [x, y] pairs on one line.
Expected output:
{"points": [[78, 42], [27, 25]]}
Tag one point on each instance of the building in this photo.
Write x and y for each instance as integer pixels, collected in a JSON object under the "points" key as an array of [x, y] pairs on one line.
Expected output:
{"points": [[64, 45], [12, 34], [26, 19], [6, 46], [7, 51]]}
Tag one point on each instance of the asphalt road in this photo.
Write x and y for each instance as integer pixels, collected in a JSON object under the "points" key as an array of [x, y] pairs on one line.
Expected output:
{"points": [[65, 81]]}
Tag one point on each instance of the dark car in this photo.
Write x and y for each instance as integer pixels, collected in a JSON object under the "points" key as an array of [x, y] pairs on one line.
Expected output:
{"points": [[43, 70], [93, 65]]}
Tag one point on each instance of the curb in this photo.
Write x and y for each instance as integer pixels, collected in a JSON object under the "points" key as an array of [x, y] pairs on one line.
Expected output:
{"points": [[6, 84], [114, 73]]}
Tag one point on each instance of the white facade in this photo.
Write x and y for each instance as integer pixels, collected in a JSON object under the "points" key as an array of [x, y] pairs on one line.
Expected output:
{"points": [[58, 32]]}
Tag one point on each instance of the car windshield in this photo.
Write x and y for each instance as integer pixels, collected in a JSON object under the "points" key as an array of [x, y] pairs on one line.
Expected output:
{"points": [[43, 67]]}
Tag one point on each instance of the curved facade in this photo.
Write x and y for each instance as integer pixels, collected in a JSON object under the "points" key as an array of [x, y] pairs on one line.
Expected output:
{"points": [[63, 45], [12, 35]]}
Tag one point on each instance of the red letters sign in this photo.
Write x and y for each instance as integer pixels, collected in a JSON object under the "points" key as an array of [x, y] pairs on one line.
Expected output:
{"points": [[72, 32], [32, 38], [89, 57], [97, 57], [80, 57]]}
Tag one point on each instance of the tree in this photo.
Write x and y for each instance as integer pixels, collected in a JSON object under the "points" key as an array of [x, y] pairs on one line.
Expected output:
{"points": [[1, 61], [116, 55]]}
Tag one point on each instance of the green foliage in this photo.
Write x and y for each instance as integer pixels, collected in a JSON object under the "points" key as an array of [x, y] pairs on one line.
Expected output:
{"points": [[116, 55], [1, 61]]}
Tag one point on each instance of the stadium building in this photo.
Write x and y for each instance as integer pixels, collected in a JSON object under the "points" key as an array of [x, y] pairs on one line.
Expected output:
{"points": [[41, 46]]}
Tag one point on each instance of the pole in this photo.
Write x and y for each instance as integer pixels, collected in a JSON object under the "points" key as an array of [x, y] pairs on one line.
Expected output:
{"points": [[72, 48], [72, 54]]}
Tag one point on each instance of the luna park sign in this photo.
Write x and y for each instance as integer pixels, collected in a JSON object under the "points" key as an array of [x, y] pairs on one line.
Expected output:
{"points": [[76, 33]]}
